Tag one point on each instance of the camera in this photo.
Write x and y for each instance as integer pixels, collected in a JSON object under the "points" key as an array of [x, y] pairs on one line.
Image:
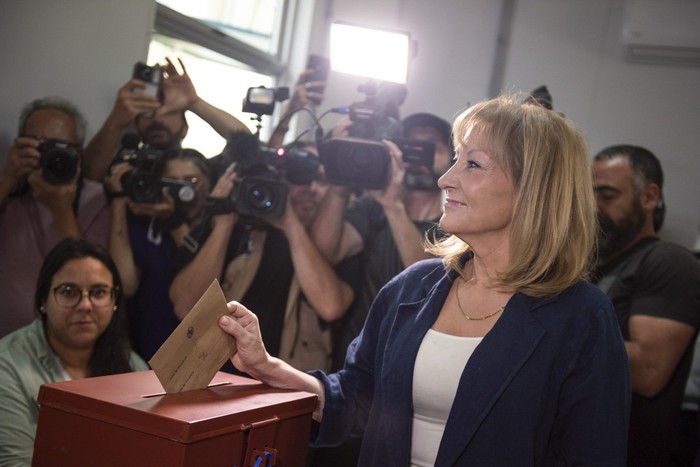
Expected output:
{"points": [[320, 66], [59, 161], [261, 100], [259, 197], [298, 165], [361, 161], [152, 76], [418, 157], [356, 163], [145, 183], [377, 117], [258, 191], [367, 164]]}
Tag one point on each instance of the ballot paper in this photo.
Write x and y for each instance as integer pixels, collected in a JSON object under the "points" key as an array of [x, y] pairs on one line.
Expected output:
{"points": [[197, 348]]}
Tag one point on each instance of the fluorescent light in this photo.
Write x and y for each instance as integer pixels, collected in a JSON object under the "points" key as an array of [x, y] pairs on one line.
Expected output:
{"points": [[370, 52]]}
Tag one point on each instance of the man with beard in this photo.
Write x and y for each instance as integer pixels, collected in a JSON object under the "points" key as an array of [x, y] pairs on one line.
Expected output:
{"points": [[158, 124], [655, 288]]}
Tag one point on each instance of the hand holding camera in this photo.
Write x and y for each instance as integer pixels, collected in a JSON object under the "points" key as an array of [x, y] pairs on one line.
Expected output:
{"points": [[22, 159], [57, 197], [59, 160], [113, 184], [144, 183], [312, 81], [391, 194]]}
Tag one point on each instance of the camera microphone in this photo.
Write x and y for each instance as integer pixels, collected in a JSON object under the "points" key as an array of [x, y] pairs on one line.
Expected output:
{"points": [[129, 147]]}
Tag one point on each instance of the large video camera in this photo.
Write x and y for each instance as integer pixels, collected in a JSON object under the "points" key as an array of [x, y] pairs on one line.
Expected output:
{"points": [[361, 160], [59, 161], [259, 190], [145, 183]]}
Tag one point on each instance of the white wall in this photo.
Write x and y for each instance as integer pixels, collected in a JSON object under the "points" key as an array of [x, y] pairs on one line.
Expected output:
{"points": [[574, 47], [84, 50]]}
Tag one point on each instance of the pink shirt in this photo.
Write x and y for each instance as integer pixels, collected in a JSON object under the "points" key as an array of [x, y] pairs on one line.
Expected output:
{"points": [[26, 236]]}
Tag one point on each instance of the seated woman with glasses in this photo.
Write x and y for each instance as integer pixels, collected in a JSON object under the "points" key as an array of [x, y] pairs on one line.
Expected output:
{"points": [[80, 332]]}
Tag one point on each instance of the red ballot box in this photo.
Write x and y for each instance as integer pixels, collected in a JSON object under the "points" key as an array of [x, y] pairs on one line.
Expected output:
{"points": [[128, 420]]}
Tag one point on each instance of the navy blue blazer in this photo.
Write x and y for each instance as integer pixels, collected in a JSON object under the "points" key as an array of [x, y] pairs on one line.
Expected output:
{"points": [[548, 385]]}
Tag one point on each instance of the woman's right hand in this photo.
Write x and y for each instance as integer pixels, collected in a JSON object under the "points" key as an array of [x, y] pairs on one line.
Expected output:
{"points": [[251, 356]]}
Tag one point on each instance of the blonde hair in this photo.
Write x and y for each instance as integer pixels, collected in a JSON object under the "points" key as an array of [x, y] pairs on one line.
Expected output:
{"points": [[554, 224]]}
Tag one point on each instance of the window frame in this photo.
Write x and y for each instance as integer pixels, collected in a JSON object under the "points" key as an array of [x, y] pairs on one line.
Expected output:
{"points": [[169, 22]]}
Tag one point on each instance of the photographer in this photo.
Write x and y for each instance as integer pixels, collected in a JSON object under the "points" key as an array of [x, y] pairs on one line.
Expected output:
{"points": [[161, 124], [145, 238], [385, 227], [43, 199], [271, 263]]}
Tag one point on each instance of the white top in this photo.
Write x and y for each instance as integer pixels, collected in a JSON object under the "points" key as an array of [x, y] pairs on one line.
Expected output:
{"points": [[438, 369]]}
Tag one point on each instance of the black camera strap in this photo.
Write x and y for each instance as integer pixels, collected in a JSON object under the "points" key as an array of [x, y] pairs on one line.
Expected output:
{"points": [[216, 206], [193, 240], [76, 198]]}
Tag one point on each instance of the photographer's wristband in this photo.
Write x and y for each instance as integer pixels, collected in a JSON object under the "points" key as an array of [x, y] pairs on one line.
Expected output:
{"points": [[110, 195], [217, 206]]}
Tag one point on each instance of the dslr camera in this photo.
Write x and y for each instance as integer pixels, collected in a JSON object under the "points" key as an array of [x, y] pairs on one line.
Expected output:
{"points": [[59, 161], [145, 183], [361, 160]]}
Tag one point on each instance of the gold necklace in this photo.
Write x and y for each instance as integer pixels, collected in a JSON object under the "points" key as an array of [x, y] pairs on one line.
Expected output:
{"points": [[461, 310]]}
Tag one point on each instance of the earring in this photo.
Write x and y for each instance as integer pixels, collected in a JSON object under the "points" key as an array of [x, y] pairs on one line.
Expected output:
{"points": [[114, 308], [41, 310]]}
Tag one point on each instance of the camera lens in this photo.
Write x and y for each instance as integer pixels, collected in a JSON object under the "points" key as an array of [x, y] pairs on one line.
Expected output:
{"points": [[361, 161], [59, 164], [257, 196], [186, 194], [143, 188], [260, 197]]}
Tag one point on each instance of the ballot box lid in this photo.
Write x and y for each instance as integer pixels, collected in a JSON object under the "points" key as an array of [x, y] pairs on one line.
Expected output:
{"points": [[137, 401]]}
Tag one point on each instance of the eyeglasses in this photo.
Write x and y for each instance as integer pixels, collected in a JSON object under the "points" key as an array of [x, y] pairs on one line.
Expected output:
{"points": [[69, 295]]}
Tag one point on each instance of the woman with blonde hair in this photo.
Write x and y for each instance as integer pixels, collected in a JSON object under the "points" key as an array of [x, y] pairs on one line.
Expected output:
{"points": [[497, 352]]}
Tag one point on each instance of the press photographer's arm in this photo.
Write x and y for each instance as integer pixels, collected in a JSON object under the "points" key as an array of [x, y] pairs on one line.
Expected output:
{"points": [[178, 96], [193, 279]]}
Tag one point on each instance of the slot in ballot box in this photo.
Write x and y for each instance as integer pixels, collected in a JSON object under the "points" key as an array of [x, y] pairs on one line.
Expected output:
{"points": [[128, 420]]}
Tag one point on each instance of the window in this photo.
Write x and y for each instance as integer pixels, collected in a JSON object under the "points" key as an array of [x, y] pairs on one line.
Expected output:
{"points": [[227, 47], [255, 22]]}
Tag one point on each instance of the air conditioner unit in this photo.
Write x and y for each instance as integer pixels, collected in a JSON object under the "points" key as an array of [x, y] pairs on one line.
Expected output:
{"points": [[662, 31]]}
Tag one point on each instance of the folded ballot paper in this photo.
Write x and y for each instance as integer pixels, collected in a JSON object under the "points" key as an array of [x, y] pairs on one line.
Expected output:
{"points": [[197, 348]]}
